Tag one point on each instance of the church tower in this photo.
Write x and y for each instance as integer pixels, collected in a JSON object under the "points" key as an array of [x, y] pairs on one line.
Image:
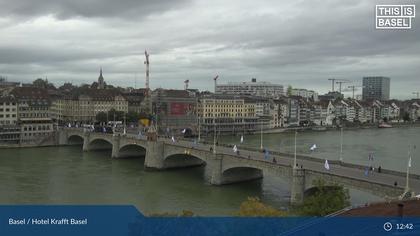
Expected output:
{"points": [[101, 81]]}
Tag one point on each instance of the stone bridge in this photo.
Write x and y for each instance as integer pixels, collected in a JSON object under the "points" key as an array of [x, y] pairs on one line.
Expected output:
{"points": [[226, 167]]}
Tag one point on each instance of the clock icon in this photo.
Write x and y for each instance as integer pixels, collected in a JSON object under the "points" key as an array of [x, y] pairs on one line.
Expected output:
{"points": [[387, 226]]}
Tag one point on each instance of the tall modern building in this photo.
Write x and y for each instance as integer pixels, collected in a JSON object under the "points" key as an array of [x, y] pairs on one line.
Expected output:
{"points": [[262, 89], [376, 87]]}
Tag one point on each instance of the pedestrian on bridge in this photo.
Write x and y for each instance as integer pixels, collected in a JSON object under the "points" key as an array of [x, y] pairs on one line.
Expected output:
{"points": [[266, 154]]}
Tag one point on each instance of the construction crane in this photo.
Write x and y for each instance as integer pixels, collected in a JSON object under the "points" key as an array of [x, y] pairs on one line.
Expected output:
{"points": [[147, 63], [186, 84], [340, 83], [354, 88], [148, 93], [215, 82], [417, 94], [332, 83]]}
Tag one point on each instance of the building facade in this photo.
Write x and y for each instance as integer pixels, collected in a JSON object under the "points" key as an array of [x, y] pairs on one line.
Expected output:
{"points": [[228, 114], [304, 93], [176, 111], [376, 88], [34, 114], [262, 89], [82, 106]]}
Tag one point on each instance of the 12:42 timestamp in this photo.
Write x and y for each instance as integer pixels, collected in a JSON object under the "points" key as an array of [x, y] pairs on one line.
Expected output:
{"points": [[407, 226]]}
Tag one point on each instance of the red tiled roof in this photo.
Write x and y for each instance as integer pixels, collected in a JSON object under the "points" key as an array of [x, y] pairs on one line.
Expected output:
{"points": [[394, 208]]}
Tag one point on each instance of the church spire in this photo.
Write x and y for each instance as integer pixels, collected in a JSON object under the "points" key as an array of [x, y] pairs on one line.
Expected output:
{"points": [[101, 81]]}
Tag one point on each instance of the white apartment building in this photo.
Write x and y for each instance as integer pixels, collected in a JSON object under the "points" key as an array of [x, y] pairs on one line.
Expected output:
{"points": [[8, 111], [263, 89]]}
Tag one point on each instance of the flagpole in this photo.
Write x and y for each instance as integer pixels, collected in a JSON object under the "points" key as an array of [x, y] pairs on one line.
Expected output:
{"points": [[199, 130], [214, 118], [261, 146], [341, 145], [294, 160], [408, 170]]}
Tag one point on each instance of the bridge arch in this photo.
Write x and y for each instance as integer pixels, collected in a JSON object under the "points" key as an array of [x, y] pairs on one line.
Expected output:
{"points": [[75, 139], [99, 144], [240, 174], [178, 160], [132, 150]]}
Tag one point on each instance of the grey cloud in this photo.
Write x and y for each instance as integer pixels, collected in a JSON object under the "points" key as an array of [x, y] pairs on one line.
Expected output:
{"points": [[299, 43], [87, 8]]}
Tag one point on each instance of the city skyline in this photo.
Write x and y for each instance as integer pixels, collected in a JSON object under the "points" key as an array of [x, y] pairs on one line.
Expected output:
{"points": [[196, 40]]}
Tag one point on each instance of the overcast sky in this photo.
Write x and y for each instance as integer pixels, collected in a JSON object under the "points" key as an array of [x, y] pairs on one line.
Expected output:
{"points": [[298, 43]]}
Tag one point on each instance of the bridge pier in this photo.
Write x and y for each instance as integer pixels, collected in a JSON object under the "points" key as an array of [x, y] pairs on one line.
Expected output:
{"points": [[86, 140], [62, 138], [213, 170], [154, 155], [298, 186], [115, 146]]}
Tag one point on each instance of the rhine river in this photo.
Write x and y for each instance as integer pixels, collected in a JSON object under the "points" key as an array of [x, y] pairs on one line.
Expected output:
{"points": [[67, 175]]}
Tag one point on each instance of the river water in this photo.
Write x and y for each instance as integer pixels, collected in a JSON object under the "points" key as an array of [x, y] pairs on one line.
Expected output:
{"points": [[67, 175], [389, 146]]}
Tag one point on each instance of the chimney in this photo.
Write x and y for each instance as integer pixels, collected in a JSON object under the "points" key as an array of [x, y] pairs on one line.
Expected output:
{"points": [[400, 209]]}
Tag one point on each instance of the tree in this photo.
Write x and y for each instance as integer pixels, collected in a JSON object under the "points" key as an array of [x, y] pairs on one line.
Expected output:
{"points": [[40, 83], [325, 200], [101, 117], [254, 207], [406, 116], [118, 115], [133, 117], [289, 90]]}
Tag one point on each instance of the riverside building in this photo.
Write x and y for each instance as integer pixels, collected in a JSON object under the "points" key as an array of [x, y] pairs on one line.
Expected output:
{"points": [[262, 89]]}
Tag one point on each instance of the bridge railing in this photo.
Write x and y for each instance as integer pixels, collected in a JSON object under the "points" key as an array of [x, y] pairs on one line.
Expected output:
{"points": [[333, 162]]}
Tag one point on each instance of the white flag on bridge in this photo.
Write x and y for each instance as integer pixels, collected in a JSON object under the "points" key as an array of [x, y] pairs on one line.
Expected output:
{"points": [[184, 130], [235, 149], [313, 147], [242, 139], [173, 139], [326, 165], [409, 162]]}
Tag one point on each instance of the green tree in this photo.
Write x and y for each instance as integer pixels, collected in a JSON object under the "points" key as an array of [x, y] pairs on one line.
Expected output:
{"points": [[40, 83], [118, 115], [406, 116], [133, 117], [289, 90], [101, 117], [325, 200], [254, 207]]}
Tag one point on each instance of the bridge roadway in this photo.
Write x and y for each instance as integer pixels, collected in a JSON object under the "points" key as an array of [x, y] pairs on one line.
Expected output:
{"points": [[336, 168], [228, 167]]}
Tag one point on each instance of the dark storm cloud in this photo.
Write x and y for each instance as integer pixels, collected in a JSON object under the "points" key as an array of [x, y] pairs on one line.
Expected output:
{"points": [[87, 8]]}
